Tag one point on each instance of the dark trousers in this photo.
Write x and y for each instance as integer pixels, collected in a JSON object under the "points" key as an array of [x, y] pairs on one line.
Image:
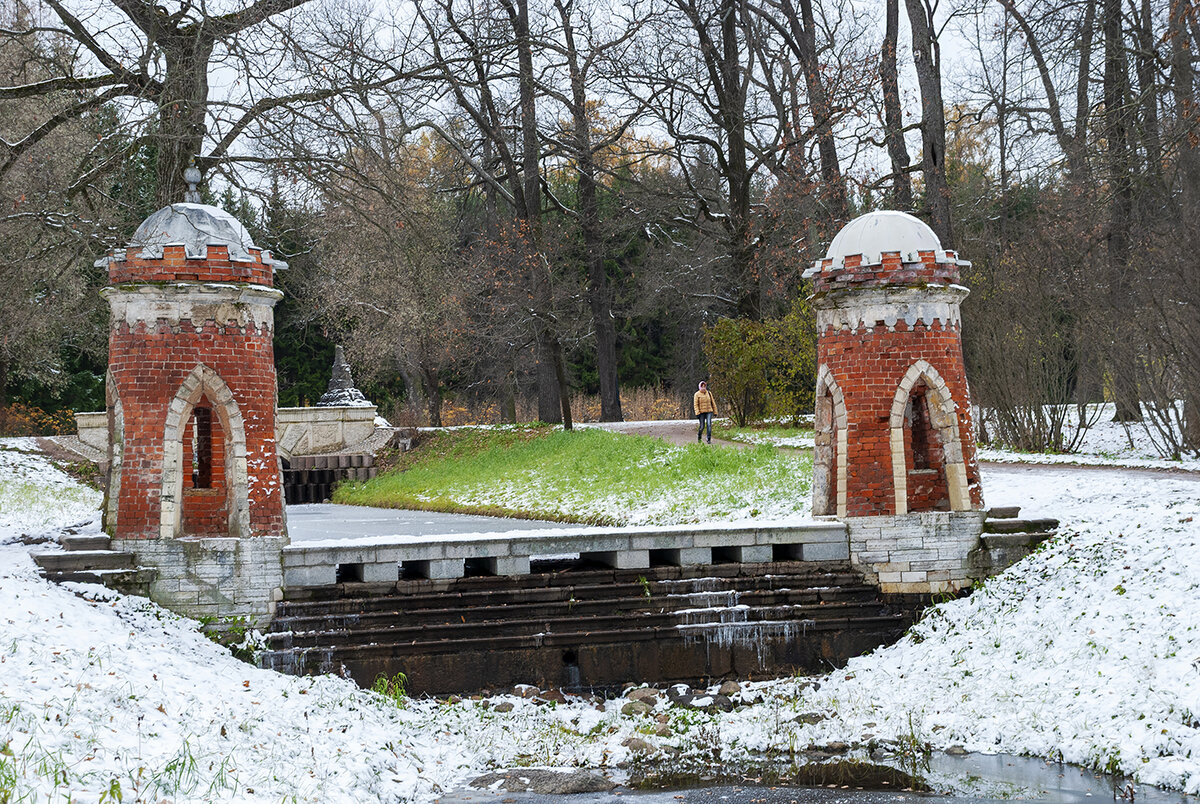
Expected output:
{"points": [[705, 422]]}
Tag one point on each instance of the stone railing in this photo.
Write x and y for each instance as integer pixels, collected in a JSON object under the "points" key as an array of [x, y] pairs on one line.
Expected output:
{"points": [[385, 559], [309, 431], [298, 431]]}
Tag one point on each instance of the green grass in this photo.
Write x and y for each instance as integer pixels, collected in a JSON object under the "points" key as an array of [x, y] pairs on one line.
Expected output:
{"points": [[588, 476], [758, 433]]}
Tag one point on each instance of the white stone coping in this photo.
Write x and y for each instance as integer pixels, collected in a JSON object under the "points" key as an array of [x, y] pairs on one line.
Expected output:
{"points": [[392, 550], [329, 413]]}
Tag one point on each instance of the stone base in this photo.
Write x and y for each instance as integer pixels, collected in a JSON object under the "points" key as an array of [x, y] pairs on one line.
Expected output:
{"points": [[922, 553], [214, 578]]}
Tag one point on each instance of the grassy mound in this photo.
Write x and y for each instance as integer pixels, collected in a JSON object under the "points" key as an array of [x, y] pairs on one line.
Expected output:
{"points": [[587, 476]]}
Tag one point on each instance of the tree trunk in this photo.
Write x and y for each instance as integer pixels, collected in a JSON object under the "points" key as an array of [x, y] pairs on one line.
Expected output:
{"points": [[732, 108], [927, 59], [181, 114], [1121, 364], [804, 32], [433, 395], [549, 389], [560, 371], [599, 290], [893, 117]]}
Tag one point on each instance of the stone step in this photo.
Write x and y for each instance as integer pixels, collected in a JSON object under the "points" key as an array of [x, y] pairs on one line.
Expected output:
{"points": [[1004, 512], [83, 560], [515, 596], [584, 584], [999, 541], [1020, 525], [589, 659], [617, 601], [416, 634], [81, 543]]}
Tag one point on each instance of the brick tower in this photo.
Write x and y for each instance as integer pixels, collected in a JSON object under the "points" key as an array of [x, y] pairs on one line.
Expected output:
{"points": [[895, 446], [195, 488]]}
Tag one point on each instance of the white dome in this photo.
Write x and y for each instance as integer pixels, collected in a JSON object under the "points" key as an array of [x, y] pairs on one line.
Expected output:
{"points": [[195, 227], [877, 233]]}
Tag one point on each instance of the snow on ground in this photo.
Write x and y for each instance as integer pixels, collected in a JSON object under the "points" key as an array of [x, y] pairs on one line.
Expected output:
{"points": [[1106, 443], [1089, 650]]}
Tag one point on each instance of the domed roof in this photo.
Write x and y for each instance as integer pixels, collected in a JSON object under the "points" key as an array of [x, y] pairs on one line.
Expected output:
{"points": [[195, 227], [875, 233]]}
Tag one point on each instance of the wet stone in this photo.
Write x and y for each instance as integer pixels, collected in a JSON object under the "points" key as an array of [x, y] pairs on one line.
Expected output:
{"points": [[545, 782], [635, 708]]}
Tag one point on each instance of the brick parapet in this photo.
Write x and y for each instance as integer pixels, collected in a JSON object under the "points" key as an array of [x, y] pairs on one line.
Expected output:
{"points": [[136, 264], [889, 269]]}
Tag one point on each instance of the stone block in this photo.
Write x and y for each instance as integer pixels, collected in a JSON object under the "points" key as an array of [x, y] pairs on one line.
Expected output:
{"points": [[913, 577], [381, 572], [445, 568], [890, 577], [311, 576], [509, 565], [477, 548], [661, 541], [724, 538], [752, 553], [825, 551]]}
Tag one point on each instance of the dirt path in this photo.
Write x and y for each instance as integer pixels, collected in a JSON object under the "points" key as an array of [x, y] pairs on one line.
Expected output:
{"points": [[680, 432]]}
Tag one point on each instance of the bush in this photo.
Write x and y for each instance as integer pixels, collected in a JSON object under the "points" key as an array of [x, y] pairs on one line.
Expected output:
{"points": [[764, 368], [19, 419]]}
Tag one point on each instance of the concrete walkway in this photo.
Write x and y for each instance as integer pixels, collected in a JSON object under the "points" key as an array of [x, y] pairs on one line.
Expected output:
{"points": [[311, 522]]}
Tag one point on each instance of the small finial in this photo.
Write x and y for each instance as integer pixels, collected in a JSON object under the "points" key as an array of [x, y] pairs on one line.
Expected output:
{"points": [[192, 176]]}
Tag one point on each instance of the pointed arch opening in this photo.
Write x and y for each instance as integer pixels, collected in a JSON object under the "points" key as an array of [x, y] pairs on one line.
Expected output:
{"points": [[204, 481], [830, 437], [928, 472]]}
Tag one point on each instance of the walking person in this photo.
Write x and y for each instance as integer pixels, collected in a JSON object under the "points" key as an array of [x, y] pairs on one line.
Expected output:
{"points": [[705, 406]]}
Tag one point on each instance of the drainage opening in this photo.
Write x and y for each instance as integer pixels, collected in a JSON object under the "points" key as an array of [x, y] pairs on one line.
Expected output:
{"points": [[785, 552], [727, 555], [664, 558], [570, 658], [476, 567], [349, 573]]}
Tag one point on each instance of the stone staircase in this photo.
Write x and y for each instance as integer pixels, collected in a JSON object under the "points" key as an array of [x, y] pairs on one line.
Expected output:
{"points": [[1007, 539], [311, 478], [89, 559], [575, 627]]}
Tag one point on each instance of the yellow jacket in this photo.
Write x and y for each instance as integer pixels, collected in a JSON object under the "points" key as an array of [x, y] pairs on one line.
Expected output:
{"points": [[704, 402]]}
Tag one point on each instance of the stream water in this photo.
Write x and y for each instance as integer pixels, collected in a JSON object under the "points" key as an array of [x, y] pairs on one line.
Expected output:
{"points": [[965, 779]]}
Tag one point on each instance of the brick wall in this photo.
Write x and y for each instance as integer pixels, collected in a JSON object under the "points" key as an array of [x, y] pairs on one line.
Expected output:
{"points": [[149, 364], [869, 364]]}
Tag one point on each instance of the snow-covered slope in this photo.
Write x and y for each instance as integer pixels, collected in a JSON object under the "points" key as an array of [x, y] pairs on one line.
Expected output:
{"points": [[1087, 650]]}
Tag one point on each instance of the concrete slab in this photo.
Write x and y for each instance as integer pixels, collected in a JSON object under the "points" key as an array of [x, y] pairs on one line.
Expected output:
{"points": [[312, 522]]}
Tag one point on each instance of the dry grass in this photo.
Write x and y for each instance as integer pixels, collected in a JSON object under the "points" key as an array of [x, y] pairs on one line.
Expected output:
{"points": [[657, 403]]}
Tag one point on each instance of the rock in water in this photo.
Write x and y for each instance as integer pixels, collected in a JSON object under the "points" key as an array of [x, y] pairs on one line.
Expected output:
{"points": [[545, 782]]}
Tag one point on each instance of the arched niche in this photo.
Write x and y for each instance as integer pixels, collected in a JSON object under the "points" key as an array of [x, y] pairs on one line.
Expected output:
{"points": [[924, 432], [204, 387]]}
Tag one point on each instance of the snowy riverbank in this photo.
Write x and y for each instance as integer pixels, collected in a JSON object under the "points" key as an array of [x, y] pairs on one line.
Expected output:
{"points": [[1089, 650]]}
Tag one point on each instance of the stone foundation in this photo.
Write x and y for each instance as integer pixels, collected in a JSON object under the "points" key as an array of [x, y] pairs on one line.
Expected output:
{"points": [[213, 577], [920, 553]]}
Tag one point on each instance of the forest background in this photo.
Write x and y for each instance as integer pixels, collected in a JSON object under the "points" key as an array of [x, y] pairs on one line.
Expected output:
{"points": [[559, 209]]}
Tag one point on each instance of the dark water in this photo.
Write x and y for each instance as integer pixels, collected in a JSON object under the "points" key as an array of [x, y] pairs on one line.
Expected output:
{"points": [[958, 780]]}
